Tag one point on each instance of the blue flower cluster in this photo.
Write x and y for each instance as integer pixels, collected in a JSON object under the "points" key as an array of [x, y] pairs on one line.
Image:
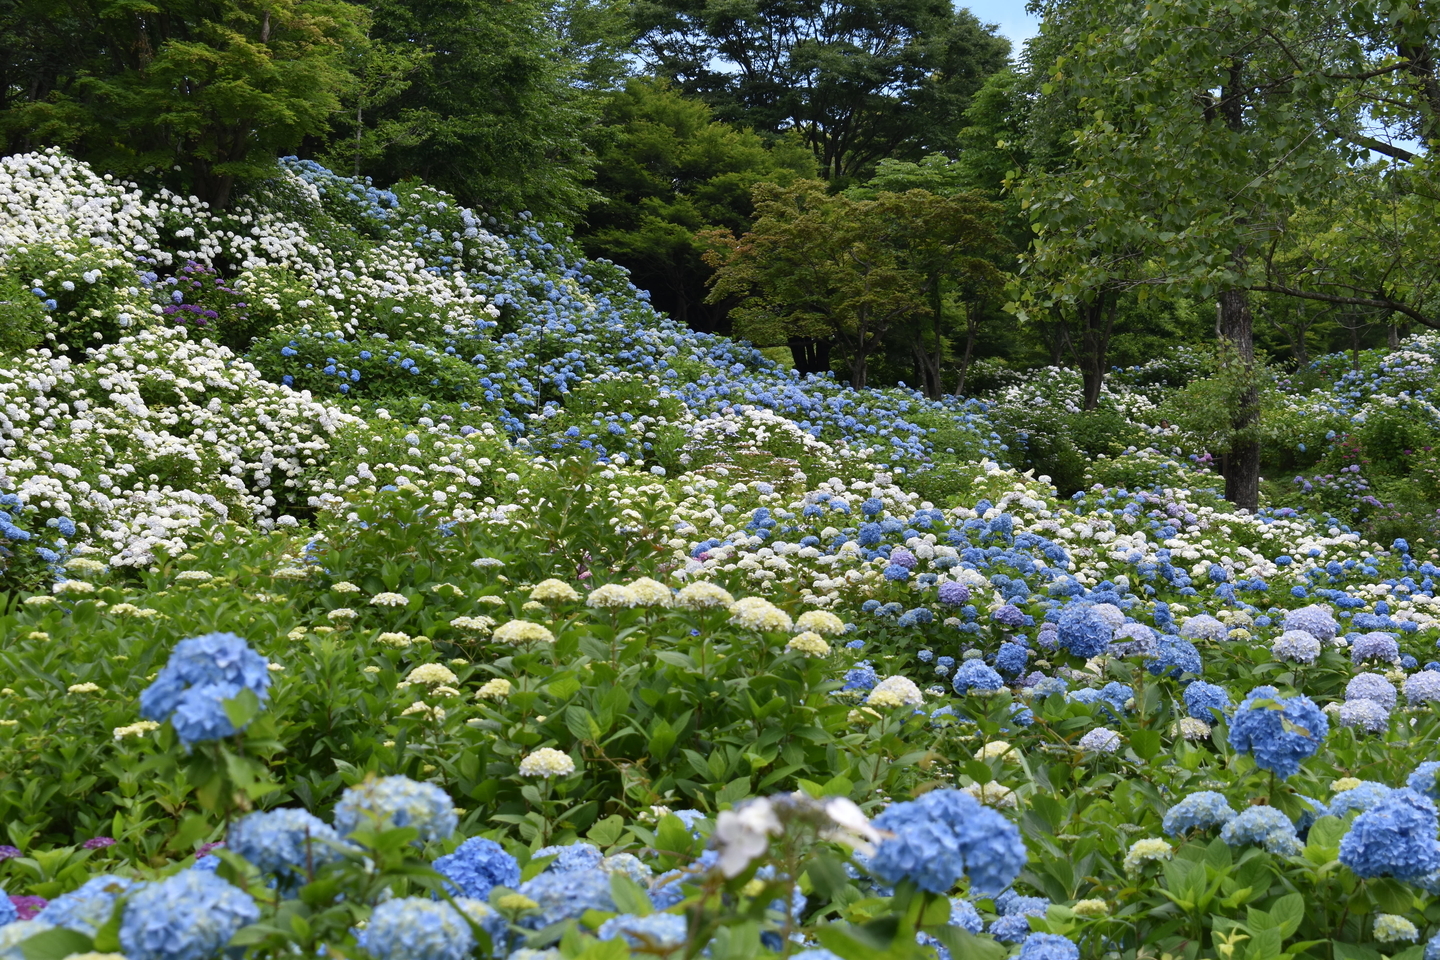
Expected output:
{"points": [[1278, 732], [1395, 838], [389, 802], [202, 673], [1199, 811], [944, 835], [478, 866], [190, 916], [290, 843]]}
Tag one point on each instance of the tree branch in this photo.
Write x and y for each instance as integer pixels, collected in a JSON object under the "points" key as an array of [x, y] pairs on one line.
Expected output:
{"points": [[1381, 302]]}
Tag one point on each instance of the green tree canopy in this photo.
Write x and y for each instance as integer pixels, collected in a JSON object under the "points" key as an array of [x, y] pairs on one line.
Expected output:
{"points": [[859, 80], [667, 169], [217, 88], [832, 271]]}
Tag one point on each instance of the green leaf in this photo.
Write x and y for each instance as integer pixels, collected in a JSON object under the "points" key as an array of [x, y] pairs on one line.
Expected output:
{"points": [[662, 740], [605, 950], [964, 945], [1145, 743], [629, 896], [56, 944], [1353, 951], [581, 724], [733, 792], [606, 833], [1289, 913], [1391, 896], [563, 688]]}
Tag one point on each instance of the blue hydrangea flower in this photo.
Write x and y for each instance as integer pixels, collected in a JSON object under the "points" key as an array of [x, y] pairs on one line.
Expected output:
{"points": [[1204, 627], [976, 675], [1422, 687], [861, 677], [1367, 715], [567, 894], [1396, 837], [1048, 946], [1202, 698], [1012, 929], [1361, 798], [1278, 735], [964, 915], [476, 867], [1374, 646], [1174, 657], [1265, 826], [1013, 904], [573, 856], [8, 913], [213, 658], [190, 916], [1199, 811], [1423, 780], [1011, 658], [630, 866], [658, 933], [943, 835], [288, 842], [87, 909], [1083, 632], [1297, 646], [387, 802], [411, 928]]}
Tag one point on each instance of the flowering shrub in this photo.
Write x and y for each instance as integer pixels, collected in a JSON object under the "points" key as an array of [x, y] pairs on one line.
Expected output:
{"points": [[436, 598]]}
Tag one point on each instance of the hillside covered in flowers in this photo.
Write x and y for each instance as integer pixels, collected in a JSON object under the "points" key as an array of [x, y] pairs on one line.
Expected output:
{"points": [[386, 581]]}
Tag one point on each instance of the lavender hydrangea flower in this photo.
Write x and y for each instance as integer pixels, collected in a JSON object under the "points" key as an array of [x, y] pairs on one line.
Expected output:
{"points": [[1374, 646], [1316, 620], [1422, 687], [1371, 686], [1367, 715], [1297, 646]]}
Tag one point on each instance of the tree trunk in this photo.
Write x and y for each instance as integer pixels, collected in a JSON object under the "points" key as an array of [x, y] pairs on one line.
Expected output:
{"points": [[810, 355], [1097, 323], [1392, 336], [857, 370], [1242, 461], [972, 327]]}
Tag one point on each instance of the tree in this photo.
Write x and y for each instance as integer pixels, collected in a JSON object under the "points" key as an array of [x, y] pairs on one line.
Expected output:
{"points": [[666, 169], [219, 88], [499, 110], [859, 80], [819, 271], [1199, 137]]}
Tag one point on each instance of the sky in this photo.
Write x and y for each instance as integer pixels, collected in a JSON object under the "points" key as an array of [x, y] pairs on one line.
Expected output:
{"points": [[1015, 23]]}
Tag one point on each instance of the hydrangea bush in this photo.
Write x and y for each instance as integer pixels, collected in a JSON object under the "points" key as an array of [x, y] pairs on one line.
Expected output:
{"points": [[389, 582]]}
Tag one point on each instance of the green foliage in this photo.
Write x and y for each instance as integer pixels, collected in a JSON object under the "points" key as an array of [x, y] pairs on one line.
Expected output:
{"points": [[22, 316], [218, 91], [850, 272], [666, 170], [860, 81], [491, 114]]}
